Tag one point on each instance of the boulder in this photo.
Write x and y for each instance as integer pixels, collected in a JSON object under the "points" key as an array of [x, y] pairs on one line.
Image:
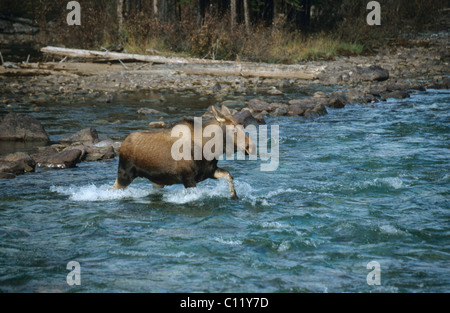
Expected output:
{"points": [[51, 158], [94, 153], [77, 146], [105, 149], [307, 107], [87, 135], [372, 73], [259, 105], [337, 101], [15, 164], [22, 127]]}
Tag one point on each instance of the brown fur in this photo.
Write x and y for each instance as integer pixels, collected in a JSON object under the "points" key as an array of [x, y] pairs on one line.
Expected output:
{"points": [[148, 154]]}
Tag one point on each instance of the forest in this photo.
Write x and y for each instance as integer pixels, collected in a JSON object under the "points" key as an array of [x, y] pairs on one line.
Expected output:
{"points": [[278, 31]]}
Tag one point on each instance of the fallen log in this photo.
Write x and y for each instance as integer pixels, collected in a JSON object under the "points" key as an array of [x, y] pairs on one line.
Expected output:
{"points": [[251, 70], [192, 66], [25, 72], [116, 56]]}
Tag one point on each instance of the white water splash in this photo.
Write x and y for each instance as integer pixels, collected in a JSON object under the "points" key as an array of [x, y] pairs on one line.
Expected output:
{"points": [[171, 194], [214, 189], [276, 225], [185, 195], [391, 182], [391, 230], [230, 242], [102, 193]]}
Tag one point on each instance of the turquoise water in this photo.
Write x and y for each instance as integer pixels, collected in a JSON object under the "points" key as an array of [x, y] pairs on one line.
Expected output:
{"points": [[361, 184]]}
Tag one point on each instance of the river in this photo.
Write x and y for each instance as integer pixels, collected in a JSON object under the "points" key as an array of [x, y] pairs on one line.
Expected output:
{"points": [[360, 184]]}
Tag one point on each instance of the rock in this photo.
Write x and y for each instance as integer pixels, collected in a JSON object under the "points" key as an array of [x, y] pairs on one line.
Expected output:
{"points": [[356, 96], [76, 145], [148, 111], [310, 114], [7, 175], [107, 98], [259, 105], [308, 102], [398, 94], [337, 101], [216, 88], [422, 88], [159, 124], [295, 110], [281, 111], [394, 87], [22, 127], [245, 118], [105, 149], [444, 85], [99, 153], [87, 135], [59, 160], [372, 73], [15, 164], [307, 107], [260, 118], [320, 109], [116, 146], [274, 91]]}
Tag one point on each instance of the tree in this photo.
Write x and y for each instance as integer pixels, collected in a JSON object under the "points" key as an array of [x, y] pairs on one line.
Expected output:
{"points": [[155, 9], [246, 16], [120, 16], [233, 13]]}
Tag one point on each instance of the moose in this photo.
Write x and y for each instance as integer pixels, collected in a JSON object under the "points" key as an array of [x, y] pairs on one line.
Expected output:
{"points": [[151, 154]]}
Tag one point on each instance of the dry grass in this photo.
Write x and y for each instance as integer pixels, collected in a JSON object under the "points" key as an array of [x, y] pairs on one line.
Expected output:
{"points": [[214, 40]]}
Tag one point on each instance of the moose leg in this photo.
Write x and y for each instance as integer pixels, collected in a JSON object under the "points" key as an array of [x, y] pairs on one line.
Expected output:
{"points": [[120, 184], [221, 173], [189, 182], [125, 175]]}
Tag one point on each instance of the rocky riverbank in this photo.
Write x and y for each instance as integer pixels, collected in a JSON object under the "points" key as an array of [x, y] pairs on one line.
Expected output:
{"points": [[392, 73]]}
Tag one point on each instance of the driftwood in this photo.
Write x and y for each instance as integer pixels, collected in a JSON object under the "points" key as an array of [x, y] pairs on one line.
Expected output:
{"points": [[34, 69], [15, 73], [115, 56], [192, 66], [250, 70]]}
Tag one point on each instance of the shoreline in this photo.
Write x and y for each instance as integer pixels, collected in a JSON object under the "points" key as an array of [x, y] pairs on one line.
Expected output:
{"points": [[357, 79], [425, 65]]}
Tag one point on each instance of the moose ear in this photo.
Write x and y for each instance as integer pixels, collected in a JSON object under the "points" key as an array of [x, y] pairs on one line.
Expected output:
{"points": [[217, 114]]}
